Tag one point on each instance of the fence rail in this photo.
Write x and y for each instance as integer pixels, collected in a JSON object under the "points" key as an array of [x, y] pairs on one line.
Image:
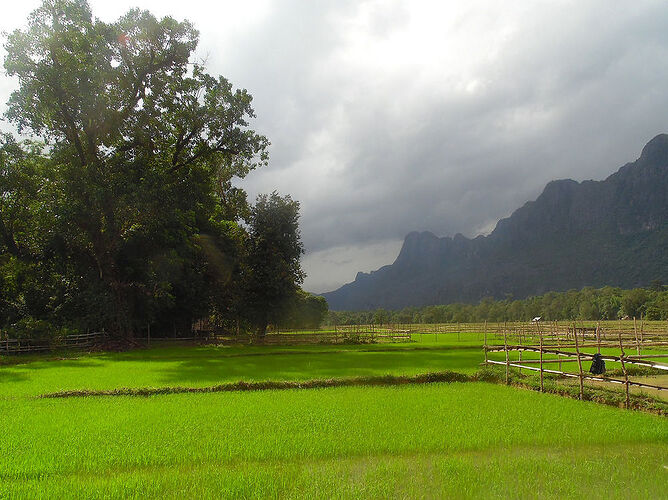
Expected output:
{"points": [[81, 341], [566, 345], [312, 338], [643, 328], [78, 341]]}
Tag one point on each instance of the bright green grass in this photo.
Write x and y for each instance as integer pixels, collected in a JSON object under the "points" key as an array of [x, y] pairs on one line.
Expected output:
{"points": [[456, 440], [608, 471], [470, 439], [471, 339], [204, 366]]}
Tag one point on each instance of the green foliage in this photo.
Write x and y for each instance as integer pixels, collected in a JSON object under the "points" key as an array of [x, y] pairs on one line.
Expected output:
{"points": [[129, 216], [606, 303], [381, 316], [305, 310], [633, 302], [32, 328], [273, 271]]}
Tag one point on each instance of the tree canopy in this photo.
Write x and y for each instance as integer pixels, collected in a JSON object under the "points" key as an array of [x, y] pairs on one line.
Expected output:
{"points": [[273, 271], [124, 213], [607, 303]]}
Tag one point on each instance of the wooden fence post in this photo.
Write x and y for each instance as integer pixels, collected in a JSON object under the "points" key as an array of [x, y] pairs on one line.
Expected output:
{"points": [[577, 350], [505, 348], [559, 348], [485, 334], [540, 336], [635, 333], [626, 374], [598, 336]]}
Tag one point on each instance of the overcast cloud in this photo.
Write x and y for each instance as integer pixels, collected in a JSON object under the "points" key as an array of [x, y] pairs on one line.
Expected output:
{"points": [[387, 117]]}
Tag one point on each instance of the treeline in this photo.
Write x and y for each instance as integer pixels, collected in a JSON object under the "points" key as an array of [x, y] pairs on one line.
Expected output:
{"points": [[304, 310], [606, 303], [122, 210]]}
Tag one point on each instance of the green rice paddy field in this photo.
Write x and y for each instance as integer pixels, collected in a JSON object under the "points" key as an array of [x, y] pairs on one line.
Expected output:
{"points": [[473, 439]]}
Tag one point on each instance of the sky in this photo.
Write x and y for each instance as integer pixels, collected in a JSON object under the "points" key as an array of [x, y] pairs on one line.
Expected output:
{"points": [[392, 116]]}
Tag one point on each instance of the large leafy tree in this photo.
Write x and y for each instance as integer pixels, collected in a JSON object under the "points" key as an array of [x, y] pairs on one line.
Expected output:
{"points": [[273, 270], [305, 311], [25, 283], [142, 145]]}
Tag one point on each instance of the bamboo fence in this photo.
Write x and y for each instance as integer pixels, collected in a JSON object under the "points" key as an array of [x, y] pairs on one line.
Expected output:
{"points": [[345, 337], [79, 341], [566, 344]]}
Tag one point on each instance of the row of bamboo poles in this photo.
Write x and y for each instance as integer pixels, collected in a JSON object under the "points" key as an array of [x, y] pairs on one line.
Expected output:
{"points": [[644, 328], [553, 339]]}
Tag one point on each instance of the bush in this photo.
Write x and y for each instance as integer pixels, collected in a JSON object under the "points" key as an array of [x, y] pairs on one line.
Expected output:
{"points": [[38, 329]]}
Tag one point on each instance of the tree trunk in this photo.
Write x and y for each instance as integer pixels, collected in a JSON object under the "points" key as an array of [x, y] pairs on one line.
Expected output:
{"points": [[262, 327], [121, 313]]}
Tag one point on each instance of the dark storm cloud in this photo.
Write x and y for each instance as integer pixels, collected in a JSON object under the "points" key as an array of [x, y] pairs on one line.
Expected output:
{"points": [[575, 91], [387, 117]]}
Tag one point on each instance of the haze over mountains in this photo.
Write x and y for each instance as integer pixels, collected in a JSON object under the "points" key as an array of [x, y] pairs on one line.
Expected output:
{"points": [[592, 233]]}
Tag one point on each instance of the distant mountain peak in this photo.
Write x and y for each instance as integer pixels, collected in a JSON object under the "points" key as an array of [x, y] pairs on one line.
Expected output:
{"points": [[575, 234], [421, 236], [656, 150], [417, 244]]}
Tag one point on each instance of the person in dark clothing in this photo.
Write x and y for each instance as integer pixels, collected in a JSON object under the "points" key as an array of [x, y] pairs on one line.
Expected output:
{"points": [[597, 365]]}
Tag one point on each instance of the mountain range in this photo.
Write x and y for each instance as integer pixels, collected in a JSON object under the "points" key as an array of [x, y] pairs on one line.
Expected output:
{"points": [[575, 234]]}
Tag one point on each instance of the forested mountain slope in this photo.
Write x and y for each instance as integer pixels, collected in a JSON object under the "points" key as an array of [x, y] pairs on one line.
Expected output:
{"points": [[592, 233]]}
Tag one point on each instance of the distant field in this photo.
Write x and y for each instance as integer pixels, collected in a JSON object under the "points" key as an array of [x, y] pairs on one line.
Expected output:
{"points": [[203, 366], [455, 440]]}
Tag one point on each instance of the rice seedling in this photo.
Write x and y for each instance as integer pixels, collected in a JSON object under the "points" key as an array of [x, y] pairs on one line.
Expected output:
{"points": [[350, 440]]}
